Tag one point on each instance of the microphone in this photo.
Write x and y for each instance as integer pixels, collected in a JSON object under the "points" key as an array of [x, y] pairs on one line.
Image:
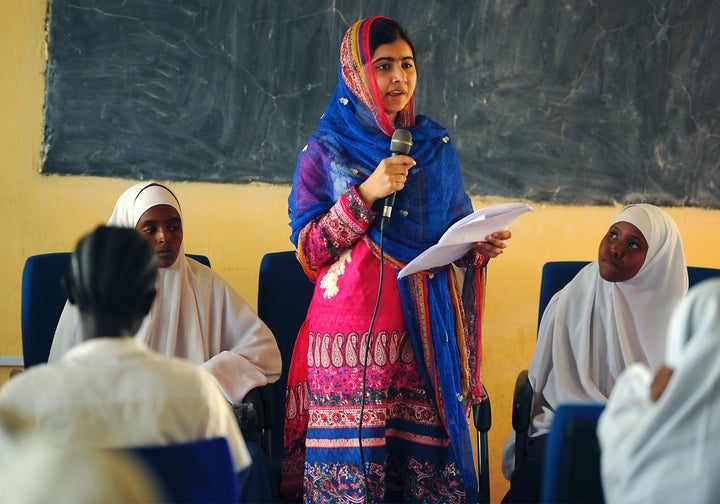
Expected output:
{"points": [[399, 144]]}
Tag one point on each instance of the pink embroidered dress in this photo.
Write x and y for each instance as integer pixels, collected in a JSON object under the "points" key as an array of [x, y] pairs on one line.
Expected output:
{"points": [[413, 378]]}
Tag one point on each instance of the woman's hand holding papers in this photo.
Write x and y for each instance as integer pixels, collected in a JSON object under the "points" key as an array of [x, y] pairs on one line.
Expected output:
{"points": [[494, 245]]}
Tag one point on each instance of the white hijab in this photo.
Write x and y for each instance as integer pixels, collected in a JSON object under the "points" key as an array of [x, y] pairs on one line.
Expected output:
{"points": [[593, 329], [196, 314], [667, 451]]}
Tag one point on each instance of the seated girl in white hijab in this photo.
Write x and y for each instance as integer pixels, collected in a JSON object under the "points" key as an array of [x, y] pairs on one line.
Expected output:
{"points": [[196, 314], [613, 313], [659, 434]]}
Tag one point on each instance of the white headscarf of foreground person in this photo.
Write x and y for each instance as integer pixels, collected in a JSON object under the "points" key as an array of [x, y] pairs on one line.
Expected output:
{"points": [[592, 329], [667, 451], [196, 314]]}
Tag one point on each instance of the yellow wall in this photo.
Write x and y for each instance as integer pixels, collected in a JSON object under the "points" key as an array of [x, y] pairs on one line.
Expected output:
{"points": [[236, 224]]}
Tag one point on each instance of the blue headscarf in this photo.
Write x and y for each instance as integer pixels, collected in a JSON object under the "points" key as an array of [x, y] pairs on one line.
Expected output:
{"points": [[353, 137]]}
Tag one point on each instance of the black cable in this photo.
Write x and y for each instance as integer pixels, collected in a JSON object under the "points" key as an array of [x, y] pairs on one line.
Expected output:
{"points": [[365, 364]]}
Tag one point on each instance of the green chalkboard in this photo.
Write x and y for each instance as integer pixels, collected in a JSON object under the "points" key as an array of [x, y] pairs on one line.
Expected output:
{"points": [[572, 102]]}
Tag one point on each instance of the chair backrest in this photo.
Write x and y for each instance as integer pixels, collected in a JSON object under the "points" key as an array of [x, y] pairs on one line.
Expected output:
{"points": [[555, 274], [195, 472], [697, 274], [42, 300], [572, 456], [202, 259], [284, 294]]}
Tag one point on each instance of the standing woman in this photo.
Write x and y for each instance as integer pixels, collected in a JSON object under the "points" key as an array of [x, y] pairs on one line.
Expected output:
{"points": [[377, 405]]}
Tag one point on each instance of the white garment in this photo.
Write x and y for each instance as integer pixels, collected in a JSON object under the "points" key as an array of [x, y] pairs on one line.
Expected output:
{"points": [[667, 451], [116, 392], [196, 314], [33, 471], [593, 329]]}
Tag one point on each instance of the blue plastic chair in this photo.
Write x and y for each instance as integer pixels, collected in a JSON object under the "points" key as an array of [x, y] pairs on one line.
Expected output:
{"points": [[572, 456], [42, 301], [195, 472], [284, 294]]}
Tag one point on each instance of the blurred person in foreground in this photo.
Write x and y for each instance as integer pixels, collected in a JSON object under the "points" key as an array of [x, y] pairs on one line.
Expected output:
{"points": [[658, 433], [110, 390]]}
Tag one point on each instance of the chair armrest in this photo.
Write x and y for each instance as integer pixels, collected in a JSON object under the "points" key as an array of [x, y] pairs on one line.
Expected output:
{"points": [[262, 403], [522, 404], [261, 398], [482, 416]]}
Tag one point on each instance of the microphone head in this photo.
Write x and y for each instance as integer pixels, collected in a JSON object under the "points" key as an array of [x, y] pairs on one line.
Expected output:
{"points": [[401, 142]]}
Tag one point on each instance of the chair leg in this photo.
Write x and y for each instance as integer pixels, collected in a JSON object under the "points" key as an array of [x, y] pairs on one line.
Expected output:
{"points": [[483, 420], [484, 479]]}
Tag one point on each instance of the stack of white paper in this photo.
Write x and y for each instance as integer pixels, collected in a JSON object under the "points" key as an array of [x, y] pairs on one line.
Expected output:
{"points": [[459, 237]]}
